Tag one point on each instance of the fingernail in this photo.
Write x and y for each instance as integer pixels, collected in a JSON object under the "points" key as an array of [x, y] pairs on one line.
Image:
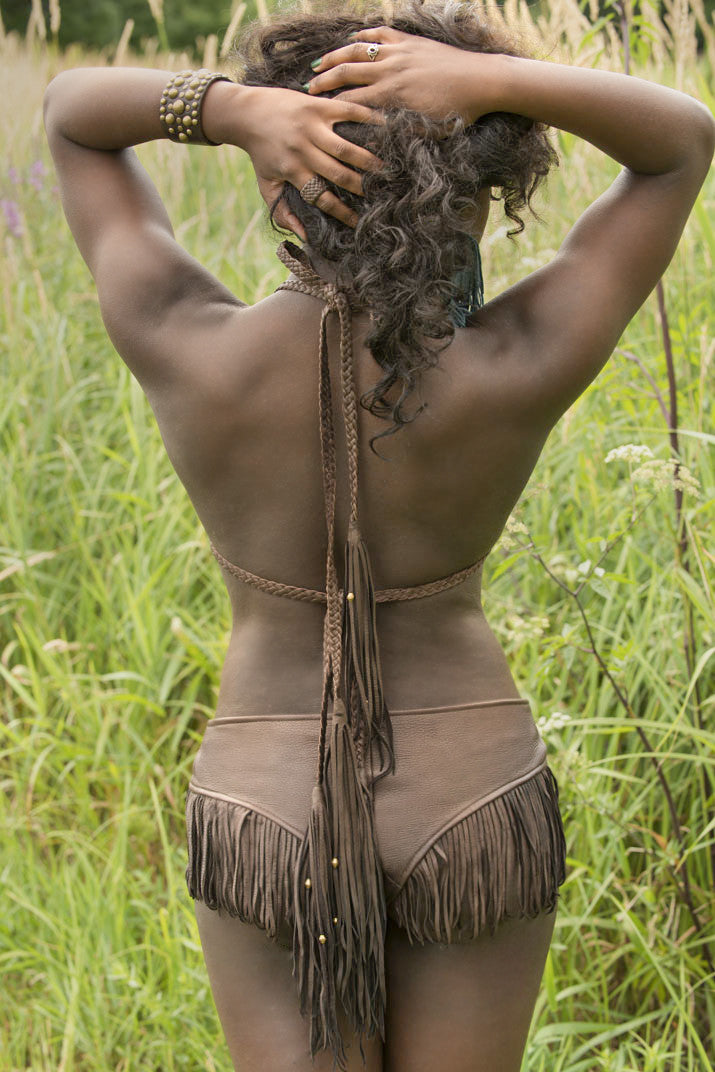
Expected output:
{"points": [[316, 63], [353, 34], [306, 86]]}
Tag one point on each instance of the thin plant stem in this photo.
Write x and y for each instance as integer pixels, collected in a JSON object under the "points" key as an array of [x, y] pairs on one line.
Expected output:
{"points": [[671, 417], [684, 883]]}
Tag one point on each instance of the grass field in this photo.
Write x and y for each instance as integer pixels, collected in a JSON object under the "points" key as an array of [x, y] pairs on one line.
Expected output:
{"points": [[113, 622]]}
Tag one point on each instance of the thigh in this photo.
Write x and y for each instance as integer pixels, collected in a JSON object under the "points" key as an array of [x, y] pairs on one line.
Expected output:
{"points": [[464, 1007], [256, 999]]}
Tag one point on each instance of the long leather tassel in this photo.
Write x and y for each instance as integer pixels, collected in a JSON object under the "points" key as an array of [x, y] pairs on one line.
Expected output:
{"points": [[359, 935], [313, 959], [361, 655], [339, 856]]}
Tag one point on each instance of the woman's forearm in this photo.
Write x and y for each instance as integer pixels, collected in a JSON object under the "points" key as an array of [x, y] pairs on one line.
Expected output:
{"points": [[114, 108], [646, 127]]}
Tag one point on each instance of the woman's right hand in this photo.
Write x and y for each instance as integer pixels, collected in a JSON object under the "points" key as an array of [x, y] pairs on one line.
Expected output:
{"points": [[290, 138], [412, 72]]}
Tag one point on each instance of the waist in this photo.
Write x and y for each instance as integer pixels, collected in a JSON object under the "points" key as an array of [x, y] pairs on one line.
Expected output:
{"points": [[427, 662]]}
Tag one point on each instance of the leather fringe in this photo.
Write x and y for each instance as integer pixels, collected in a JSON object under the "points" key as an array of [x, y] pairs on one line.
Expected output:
{"points": [[314, 960], [505, 860], [344, 903], [240, 861], [361, 666]]}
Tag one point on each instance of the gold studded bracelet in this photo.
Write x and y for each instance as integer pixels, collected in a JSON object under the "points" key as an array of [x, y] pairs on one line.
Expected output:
{"points": [[180, 107]]}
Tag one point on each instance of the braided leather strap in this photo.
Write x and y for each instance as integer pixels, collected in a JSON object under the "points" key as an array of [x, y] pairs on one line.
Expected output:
{"points": [[314, 595], [274, 588]]}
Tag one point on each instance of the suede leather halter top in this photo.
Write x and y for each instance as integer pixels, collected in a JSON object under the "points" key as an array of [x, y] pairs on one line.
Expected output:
{"points": [[309, 282], [339, 898]]}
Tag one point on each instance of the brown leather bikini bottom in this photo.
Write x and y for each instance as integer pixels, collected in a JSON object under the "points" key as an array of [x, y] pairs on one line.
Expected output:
{"points": [[468, 826]]}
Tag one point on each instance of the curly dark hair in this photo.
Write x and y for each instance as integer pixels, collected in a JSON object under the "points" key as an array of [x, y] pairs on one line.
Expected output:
{"points": [[410, 241]]}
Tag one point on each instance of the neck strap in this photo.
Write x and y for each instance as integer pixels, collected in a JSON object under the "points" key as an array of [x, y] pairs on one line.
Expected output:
{"points": [[308, 281]]}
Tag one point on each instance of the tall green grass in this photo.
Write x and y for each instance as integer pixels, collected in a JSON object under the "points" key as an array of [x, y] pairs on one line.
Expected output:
{"points": [[113, 623]]}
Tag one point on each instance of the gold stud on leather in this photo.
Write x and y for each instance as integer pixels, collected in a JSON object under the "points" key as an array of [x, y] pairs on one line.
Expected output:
{"points": [[322, 939], [335, 861], [308, 884], [180, 105], [335, 919], [350, 596]]}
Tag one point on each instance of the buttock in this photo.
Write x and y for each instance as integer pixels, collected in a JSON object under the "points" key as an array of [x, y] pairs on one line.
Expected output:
{"points": [[468, 827]]}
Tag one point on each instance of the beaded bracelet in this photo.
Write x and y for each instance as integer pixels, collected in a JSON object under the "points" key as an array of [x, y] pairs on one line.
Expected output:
{"points": [[180, 107]]}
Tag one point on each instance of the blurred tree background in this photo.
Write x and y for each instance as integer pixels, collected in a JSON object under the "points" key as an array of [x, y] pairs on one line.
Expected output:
{"points": [[99, 24], [183, 24]]}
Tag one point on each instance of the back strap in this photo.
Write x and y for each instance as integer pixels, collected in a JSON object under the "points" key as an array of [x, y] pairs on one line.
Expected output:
{"points": [[314, 595]]}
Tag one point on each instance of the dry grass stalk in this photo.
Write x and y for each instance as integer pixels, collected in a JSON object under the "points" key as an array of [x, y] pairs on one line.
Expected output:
{"points": [[157, 9], [55, 17], [210, 59], [232, 29], [123, 44], [36, 24]]}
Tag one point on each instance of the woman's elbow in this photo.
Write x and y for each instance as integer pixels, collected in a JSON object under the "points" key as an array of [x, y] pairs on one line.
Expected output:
{"points": [[703, 136], [57, 94]]}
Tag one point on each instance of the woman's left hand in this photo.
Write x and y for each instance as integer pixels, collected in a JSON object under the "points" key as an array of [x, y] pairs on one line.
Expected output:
{"points": [[412, 72], [290, 138]]}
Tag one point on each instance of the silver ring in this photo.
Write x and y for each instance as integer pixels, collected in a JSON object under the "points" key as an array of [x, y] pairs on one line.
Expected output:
{"points": [[372, 51], [312, 189]]}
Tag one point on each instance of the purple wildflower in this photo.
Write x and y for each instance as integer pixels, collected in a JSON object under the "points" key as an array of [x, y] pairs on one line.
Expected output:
{"points": [[13, 175], [37, 174], [11, 212]]}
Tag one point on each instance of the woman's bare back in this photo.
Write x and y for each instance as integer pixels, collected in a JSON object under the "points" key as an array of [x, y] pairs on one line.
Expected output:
{"points": [[244, 439]]}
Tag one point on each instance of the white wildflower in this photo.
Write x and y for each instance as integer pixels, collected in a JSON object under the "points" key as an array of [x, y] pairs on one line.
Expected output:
{"points": [[562, 568], [555, 721], [629, 452], [586, 569], [667, 473], [521, 629], [514, 526]]}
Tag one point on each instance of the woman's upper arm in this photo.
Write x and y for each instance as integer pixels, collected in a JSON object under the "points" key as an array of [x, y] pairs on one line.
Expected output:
{"points": [[568, 316], [152, 293]]}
